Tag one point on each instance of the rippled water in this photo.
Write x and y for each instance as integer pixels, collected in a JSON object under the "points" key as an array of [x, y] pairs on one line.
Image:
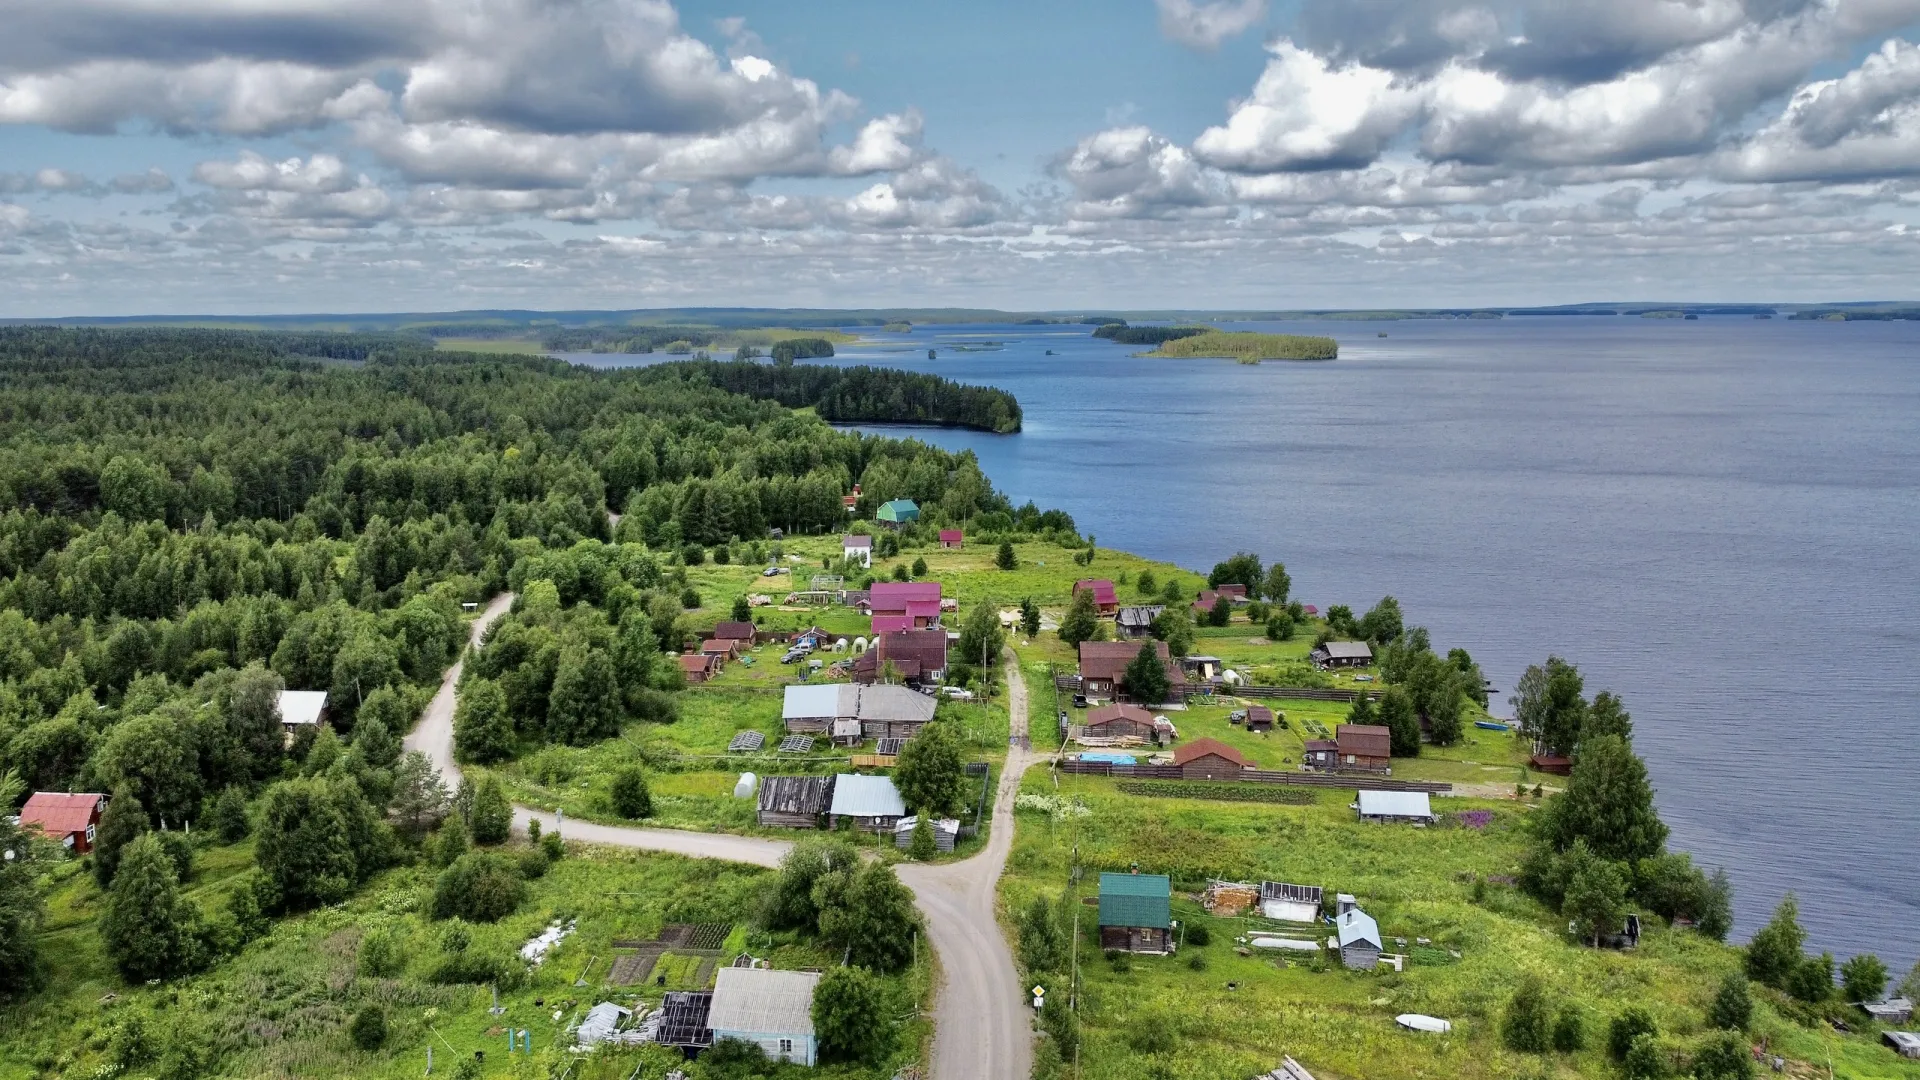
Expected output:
{"points": [[1719, 520]]}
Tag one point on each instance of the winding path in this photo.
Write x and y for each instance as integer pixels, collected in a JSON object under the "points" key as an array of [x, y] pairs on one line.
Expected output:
{"points": [[982, 1029]]}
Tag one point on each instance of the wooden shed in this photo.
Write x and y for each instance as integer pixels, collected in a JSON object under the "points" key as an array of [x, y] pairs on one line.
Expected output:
{"points": [[1117, 721], [794, 802], [1209, 759], [1358, 937], [1364, 747], [1259, 718]]}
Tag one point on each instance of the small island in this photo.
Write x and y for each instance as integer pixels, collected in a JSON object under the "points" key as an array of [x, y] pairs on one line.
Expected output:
{"points": [[1249, 347]]}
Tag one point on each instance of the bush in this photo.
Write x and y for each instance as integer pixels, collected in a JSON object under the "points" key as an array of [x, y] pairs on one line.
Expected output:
{"points": [[1524, 1027], [1569, 1029], [479, 887], [1864, 977], [476, 967], [1644, 1060], [1199, 936], [1154, 1035], [368, 1030], [383, 952], [532, 863], [1723, 1057], [553, 847], [1280, 627], [1197, 962], [631, 798], [1812, 979], [1627, 1027], [1732, 1007], [690, 598]]}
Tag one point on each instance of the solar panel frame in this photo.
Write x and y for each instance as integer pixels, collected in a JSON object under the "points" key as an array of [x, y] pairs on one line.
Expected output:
{"points": [[747, 742], [797, 744], [890, 746]]}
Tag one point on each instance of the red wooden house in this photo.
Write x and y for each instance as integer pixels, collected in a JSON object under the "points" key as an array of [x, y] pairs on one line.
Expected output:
{"points": [[67, 819]]}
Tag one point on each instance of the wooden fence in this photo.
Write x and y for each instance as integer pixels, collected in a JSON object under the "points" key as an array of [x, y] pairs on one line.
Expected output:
{"points": [[1256, 776], [1303, 693]]}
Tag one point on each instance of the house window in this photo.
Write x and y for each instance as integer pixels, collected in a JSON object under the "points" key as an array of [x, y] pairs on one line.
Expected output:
{"points": [[1349, 759], [89, 834], [786, 1046]]}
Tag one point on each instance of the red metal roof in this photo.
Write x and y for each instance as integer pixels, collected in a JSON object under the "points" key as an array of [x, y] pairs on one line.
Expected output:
{"points": [[1101, 588], [695, 663], [912, 651], [1310, 609], [885, 624], [734, 631], [59, 814], [1364, 740], [950, 536], [1200, 748], [1232, 589], [717, 646], [892, 597]]}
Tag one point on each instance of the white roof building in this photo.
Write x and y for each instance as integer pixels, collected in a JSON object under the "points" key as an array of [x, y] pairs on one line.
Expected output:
{"points": [[771, 1008], [1396, 806], [1355, 925], [301, 706]]}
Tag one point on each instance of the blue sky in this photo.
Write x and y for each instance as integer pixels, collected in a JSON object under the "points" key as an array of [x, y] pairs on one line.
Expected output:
{"points": [[300, 155]]}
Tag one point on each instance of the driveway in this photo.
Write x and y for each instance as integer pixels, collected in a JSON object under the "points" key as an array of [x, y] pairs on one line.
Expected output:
{"points": [[982, 1026]]}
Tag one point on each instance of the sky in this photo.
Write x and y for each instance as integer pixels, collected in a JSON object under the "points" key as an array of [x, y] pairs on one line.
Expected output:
{"points": [[281, 156]]}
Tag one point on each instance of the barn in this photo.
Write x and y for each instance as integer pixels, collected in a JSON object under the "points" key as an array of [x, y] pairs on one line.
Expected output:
{"points": [[1209, 759]]}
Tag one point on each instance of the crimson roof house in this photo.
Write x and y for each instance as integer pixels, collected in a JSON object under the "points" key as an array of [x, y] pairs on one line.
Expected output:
{"points": [[951, 539], [699, 667], [1105, 600], [1233, 591], [920, 656], [1209, 759], [917, 600], [68, 819], [1118, 721], [1203, 604], [720, 649], [1103, 666]]}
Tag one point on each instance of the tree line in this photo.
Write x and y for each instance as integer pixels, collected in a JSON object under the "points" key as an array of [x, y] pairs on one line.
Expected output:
{"points": [[855, 394]]}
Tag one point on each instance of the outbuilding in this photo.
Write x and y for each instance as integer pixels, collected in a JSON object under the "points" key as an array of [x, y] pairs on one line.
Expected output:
{"points": [[870, 803], [1120, 721], [771, 1009], [301, 708], [1136, 913], [699, 667], [1364, 747], [946, 832], [1209, 759], [68, 820], [897, 512], [857, 548], [794, 802], [1391, 806], [1136, 620], [951, 540], [1358, 938], [1290, 903], [1904, 1043], [743, 633], [1333, 654], [1259, 718]]}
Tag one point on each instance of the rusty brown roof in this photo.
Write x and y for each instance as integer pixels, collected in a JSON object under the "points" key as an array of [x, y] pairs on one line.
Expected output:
{"points": [[1200, 748], [1364, 740], [1107, 714]]}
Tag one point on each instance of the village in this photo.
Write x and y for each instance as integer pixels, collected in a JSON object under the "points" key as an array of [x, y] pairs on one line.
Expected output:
{"points": [[1206, 829]]}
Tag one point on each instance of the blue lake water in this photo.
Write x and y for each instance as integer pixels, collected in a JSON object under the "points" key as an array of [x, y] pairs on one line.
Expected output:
{"points": [[1717, 519]]}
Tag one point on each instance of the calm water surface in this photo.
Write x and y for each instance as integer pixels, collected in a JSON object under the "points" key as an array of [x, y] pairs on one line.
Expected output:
{"points": [[1718, 520]]}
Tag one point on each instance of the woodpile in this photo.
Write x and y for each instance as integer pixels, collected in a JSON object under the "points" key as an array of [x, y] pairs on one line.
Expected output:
{"points": [[1227, 899]]}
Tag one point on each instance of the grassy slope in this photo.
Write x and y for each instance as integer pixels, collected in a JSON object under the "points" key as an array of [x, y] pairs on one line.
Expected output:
{"points": [[286, 998], [1340, 1024]]}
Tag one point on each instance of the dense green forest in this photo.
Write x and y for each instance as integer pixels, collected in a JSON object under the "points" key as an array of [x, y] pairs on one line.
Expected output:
{"points": [[860, 394], [1123, 334], [196, 519]]}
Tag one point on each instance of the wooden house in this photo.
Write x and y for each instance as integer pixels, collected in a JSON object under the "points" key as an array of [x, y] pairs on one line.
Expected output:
{"points": [[920, 657], [1333, 654], [1557, 764], [1209, 759], [770, 1009], [1136, 913], [857, 548], [721, 649], [1119, 721], [699, 667], [870, 803], [946, 833], [916, 601], [1232, 590], [1259, 718], [1204, 603], [1136, 620], [1103, 666], [1364, 747], [1105, 600], [794, 802], [951, 540], [742, 634], [1358, 938], [68, 820], [1320, 754]]}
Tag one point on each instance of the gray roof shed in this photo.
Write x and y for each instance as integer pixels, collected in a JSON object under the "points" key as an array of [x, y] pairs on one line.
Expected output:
{"points": [[866, 796]]}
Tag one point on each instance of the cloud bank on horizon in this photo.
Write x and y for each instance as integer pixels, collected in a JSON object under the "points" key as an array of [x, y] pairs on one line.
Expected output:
{"points": [[298, 155]]}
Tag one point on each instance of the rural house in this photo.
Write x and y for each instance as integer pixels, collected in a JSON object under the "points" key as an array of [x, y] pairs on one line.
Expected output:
{"points": [[1320, 754], [301, 708], [1359, 941], [875, 712], [1341, 654], [1391, 806], [1105, 600], [898, 512], [68, 820], [1367, 747], [742, 634], [1209, 759], [919, 656], [1103, 666], [946, 833], [771, 1009], [1136, 913], [1232, 590], [794, 802], [1119, 721], [857, 548], [871, 803], [721, 649], [1203, 604], [698, 667], [951, 540], [1136, 620], [918, 601], [1290, 903], [1259, 718]]}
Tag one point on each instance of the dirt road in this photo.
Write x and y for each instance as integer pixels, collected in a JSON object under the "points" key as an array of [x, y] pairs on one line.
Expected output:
{"points": [[982, 1028]]}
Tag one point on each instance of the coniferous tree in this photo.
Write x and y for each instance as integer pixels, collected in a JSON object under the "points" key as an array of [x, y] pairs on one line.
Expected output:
{"points": [[419, 795], [149, 928], [121, 822], [631, 798], [1402, 723], [923, 847], [1732, 1006], [1774, 952], [1029, 617], [492, 816], [1004, 558], [1145, 677], [1608, 803], [1082, 622], [482, 728]]}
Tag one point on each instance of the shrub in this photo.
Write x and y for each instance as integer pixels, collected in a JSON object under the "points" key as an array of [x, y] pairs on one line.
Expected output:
{"points": [[631, 798], [1732, 1007], [1644, 1060], [1154, 1035], [1864, 977], [1812, 979], [1723, 1057], [1569, 1029], [1627, 1027], [479, 887], [1199, 936], [532, 863], [383, 952], [1524, 1027], [553, 847], [368, 1029], [1197, 962]]}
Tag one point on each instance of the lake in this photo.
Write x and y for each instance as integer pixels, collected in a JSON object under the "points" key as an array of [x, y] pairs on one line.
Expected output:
{"points": [[1719, 520]]}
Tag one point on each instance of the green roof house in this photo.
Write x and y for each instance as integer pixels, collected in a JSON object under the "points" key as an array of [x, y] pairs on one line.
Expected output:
{"points": [[1136, 913], [898, 512]]}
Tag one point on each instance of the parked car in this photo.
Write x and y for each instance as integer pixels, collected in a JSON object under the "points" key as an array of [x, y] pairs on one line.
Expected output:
{"points": [[794, 656], [771, 571], [958, 693]]}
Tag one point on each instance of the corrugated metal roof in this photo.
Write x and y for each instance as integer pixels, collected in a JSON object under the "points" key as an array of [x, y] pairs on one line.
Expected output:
{"points": [[601, 1022], [1136, 900], [822, 701], [57, 813], [1356, 925], [1396, 804], [759, 1001], [883, 702], [1348, 650], [866, 796], [302, 706]]}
